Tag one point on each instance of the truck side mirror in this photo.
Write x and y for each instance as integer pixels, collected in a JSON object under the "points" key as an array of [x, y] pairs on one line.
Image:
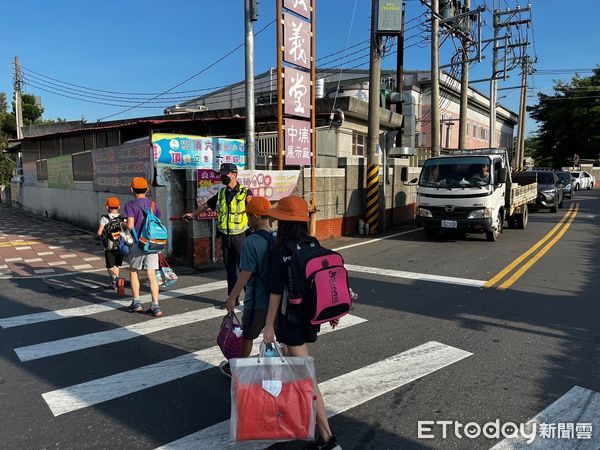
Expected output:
{"points": [[501, 175]]}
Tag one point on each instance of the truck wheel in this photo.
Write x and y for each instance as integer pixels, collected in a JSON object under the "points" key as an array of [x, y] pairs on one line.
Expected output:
{"points": [[522, 218], [494, 235], [513, 221], [432, 234]]}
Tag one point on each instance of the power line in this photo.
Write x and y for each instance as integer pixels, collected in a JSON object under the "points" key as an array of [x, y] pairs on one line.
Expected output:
{"points": [[225, 56]]}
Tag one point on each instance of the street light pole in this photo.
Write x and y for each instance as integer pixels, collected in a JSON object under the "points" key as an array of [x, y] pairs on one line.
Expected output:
{"points": [[249, 28]]}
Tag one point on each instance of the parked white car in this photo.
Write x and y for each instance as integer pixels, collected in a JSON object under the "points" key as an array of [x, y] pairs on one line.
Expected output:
{"points": [[583, 180]]}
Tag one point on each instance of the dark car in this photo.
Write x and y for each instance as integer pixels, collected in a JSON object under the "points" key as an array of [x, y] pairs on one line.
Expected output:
{"points": [[567, 182], [550, 190]]}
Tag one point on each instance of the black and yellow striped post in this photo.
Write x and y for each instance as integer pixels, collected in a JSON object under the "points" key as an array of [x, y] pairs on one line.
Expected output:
{"points": [[372, 206]]}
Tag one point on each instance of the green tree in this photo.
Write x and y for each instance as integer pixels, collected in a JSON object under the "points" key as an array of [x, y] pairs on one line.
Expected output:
{"points": [[569, 121], [3, 104], [31, 112]]}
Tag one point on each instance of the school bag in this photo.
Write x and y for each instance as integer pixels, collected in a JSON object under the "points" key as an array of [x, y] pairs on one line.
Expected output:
{"points": [[153, 235], [317, 290], [112, 232]]}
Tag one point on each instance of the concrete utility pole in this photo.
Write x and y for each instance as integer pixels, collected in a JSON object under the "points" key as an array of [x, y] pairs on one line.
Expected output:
{"points": [[18, 86], [494, 84], [249, 17], [520, 154], [464, 86], [435, 79], [372, 203]]}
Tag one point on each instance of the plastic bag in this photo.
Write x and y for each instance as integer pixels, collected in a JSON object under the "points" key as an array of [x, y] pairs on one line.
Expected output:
{"points": [[273, 399], [230, 338], [165, 275]]}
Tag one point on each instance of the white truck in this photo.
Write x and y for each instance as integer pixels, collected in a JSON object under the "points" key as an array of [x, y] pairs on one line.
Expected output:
{"points": [[473, 191]]}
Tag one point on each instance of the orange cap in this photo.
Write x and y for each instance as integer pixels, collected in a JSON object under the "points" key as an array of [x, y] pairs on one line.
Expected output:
{"points": [[259, 206], [139, 183], [113, 202], [292, 209]]}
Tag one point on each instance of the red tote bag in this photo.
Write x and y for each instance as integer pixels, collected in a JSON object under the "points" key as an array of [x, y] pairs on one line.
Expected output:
{"points": [[273, 399]]}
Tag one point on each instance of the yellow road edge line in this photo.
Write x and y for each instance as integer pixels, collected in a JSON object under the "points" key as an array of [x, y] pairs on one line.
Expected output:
{"points": [[535, 246], [519, 273]]}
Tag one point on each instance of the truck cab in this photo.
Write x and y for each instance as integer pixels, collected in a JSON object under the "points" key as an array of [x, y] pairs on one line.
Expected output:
{"points": [[464, 192]]}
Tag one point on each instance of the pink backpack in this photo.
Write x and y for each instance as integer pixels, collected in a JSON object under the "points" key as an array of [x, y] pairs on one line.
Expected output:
{"points": [[317, 290]]}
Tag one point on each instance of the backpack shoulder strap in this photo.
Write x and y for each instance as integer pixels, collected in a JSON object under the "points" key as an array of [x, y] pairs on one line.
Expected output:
{"points": [[266, 236]]}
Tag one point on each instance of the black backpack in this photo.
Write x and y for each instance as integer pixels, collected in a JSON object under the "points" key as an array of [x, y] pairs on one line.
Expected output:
{"points": [[112, 232]]}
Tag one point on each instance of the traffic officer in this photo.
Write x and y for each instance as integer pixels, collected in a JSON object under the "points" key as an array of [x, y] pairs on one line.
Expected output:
{"points": [[232, 222]]}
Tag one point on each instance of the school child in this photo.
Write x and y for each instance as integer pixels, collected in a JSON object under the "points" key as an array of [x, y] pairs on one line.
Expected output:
{"points": [[292, 214], [138, 260], [254, 275], [108, 231]]}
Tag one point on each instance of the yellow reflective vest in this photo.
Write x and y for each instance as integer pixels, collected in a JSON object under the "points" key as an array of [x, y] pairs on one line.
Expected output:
{"points": [[232, 217]]}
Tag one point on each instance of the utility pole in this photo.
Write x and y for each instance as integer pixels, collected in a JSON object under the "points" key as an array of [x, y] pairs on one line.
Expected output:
{"points": [[18, 86], [435, 79], [250, 15], [464, 86], [494, 83], [520, 153], [372, 202]]}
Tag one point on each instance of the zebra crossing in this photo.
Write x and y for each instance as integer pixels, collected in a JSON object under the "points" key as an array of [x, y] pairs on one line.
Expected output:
{"points": [[343, 392]]}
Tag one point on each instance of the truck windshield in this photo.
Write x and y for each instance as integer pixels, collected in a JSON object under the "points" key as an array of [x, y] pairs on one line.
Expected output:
{"points": [[468, 171]]}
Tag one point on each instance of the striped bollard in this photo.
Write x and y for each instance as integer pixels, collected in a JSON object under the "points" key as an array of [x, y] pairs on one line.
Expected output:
{"points": [[372, 208]]}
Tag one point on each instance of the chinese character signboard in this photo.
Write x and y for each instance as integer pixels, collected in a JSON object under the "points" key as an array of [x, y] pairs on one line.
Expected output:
{"points": [[297, 142], [272, 184], [196, 152], [297, 92], [296, 37], [209, 184], [389, 16], [300, 7], [115, 167]]}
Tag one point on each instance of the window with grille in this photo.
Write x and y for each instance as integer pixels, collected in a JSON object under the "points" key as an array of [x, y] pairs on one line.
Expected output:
{"points": [[359, 142]]}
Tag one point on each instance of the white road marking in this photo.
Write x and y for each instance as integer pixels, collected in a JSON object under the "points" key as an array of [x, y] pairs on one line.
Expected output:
{"points": [[13, 259], [92, 258], [39, 271], [83, 266], [57, 263], [372, 241], [578, 406], [62, 401], [72, 344], [346, 391], [25, 247], [88, 310], [45, 253], [415, 276], [69, 255], [32, 260]]}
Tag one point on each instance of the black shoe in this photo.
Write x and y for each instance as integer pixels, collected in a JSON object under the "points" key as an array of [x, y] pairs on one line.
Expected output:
{"points": [[332, 444]]}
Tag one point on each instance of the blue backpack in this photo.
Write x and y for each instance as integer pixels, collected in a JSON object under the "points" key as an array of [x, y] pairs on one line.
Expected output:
{"points": [[153, 236]]}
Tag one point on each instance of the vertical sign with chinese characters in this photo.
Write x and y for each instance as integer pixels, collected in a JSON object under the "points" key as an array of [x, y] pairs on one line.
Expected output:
{"points": [[297, 142], [297, 82]]}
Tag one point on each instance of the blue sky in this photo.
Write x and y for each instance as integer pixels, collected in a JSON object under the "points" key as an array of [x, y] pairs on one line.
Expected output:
{"points": [[148, 46]]}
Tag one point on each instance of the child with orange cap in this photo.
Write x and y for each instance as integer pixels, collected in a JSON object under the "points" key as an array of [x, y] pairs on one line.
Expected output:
{"points": [[114, 259], [254, 275]]}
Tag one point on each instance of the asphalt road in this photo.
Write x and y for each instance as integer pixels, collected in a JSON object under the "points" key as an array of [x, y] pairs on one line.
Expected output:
{"points": [[428, 340]]}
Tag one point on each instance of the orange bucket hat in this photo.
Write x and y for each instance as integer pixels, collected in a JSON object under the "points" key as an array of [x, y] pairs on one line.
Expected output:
{"points": [[113, 202], [139, 183], [291, 209], [258, 206]]}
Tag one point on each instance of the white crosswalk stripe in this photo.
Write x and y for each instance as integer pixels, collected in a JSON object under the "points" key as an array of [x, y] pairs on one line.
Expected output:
{"points": [[59, 347], [579, 408], [347, 391], [82, 395], [81, 311]]}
